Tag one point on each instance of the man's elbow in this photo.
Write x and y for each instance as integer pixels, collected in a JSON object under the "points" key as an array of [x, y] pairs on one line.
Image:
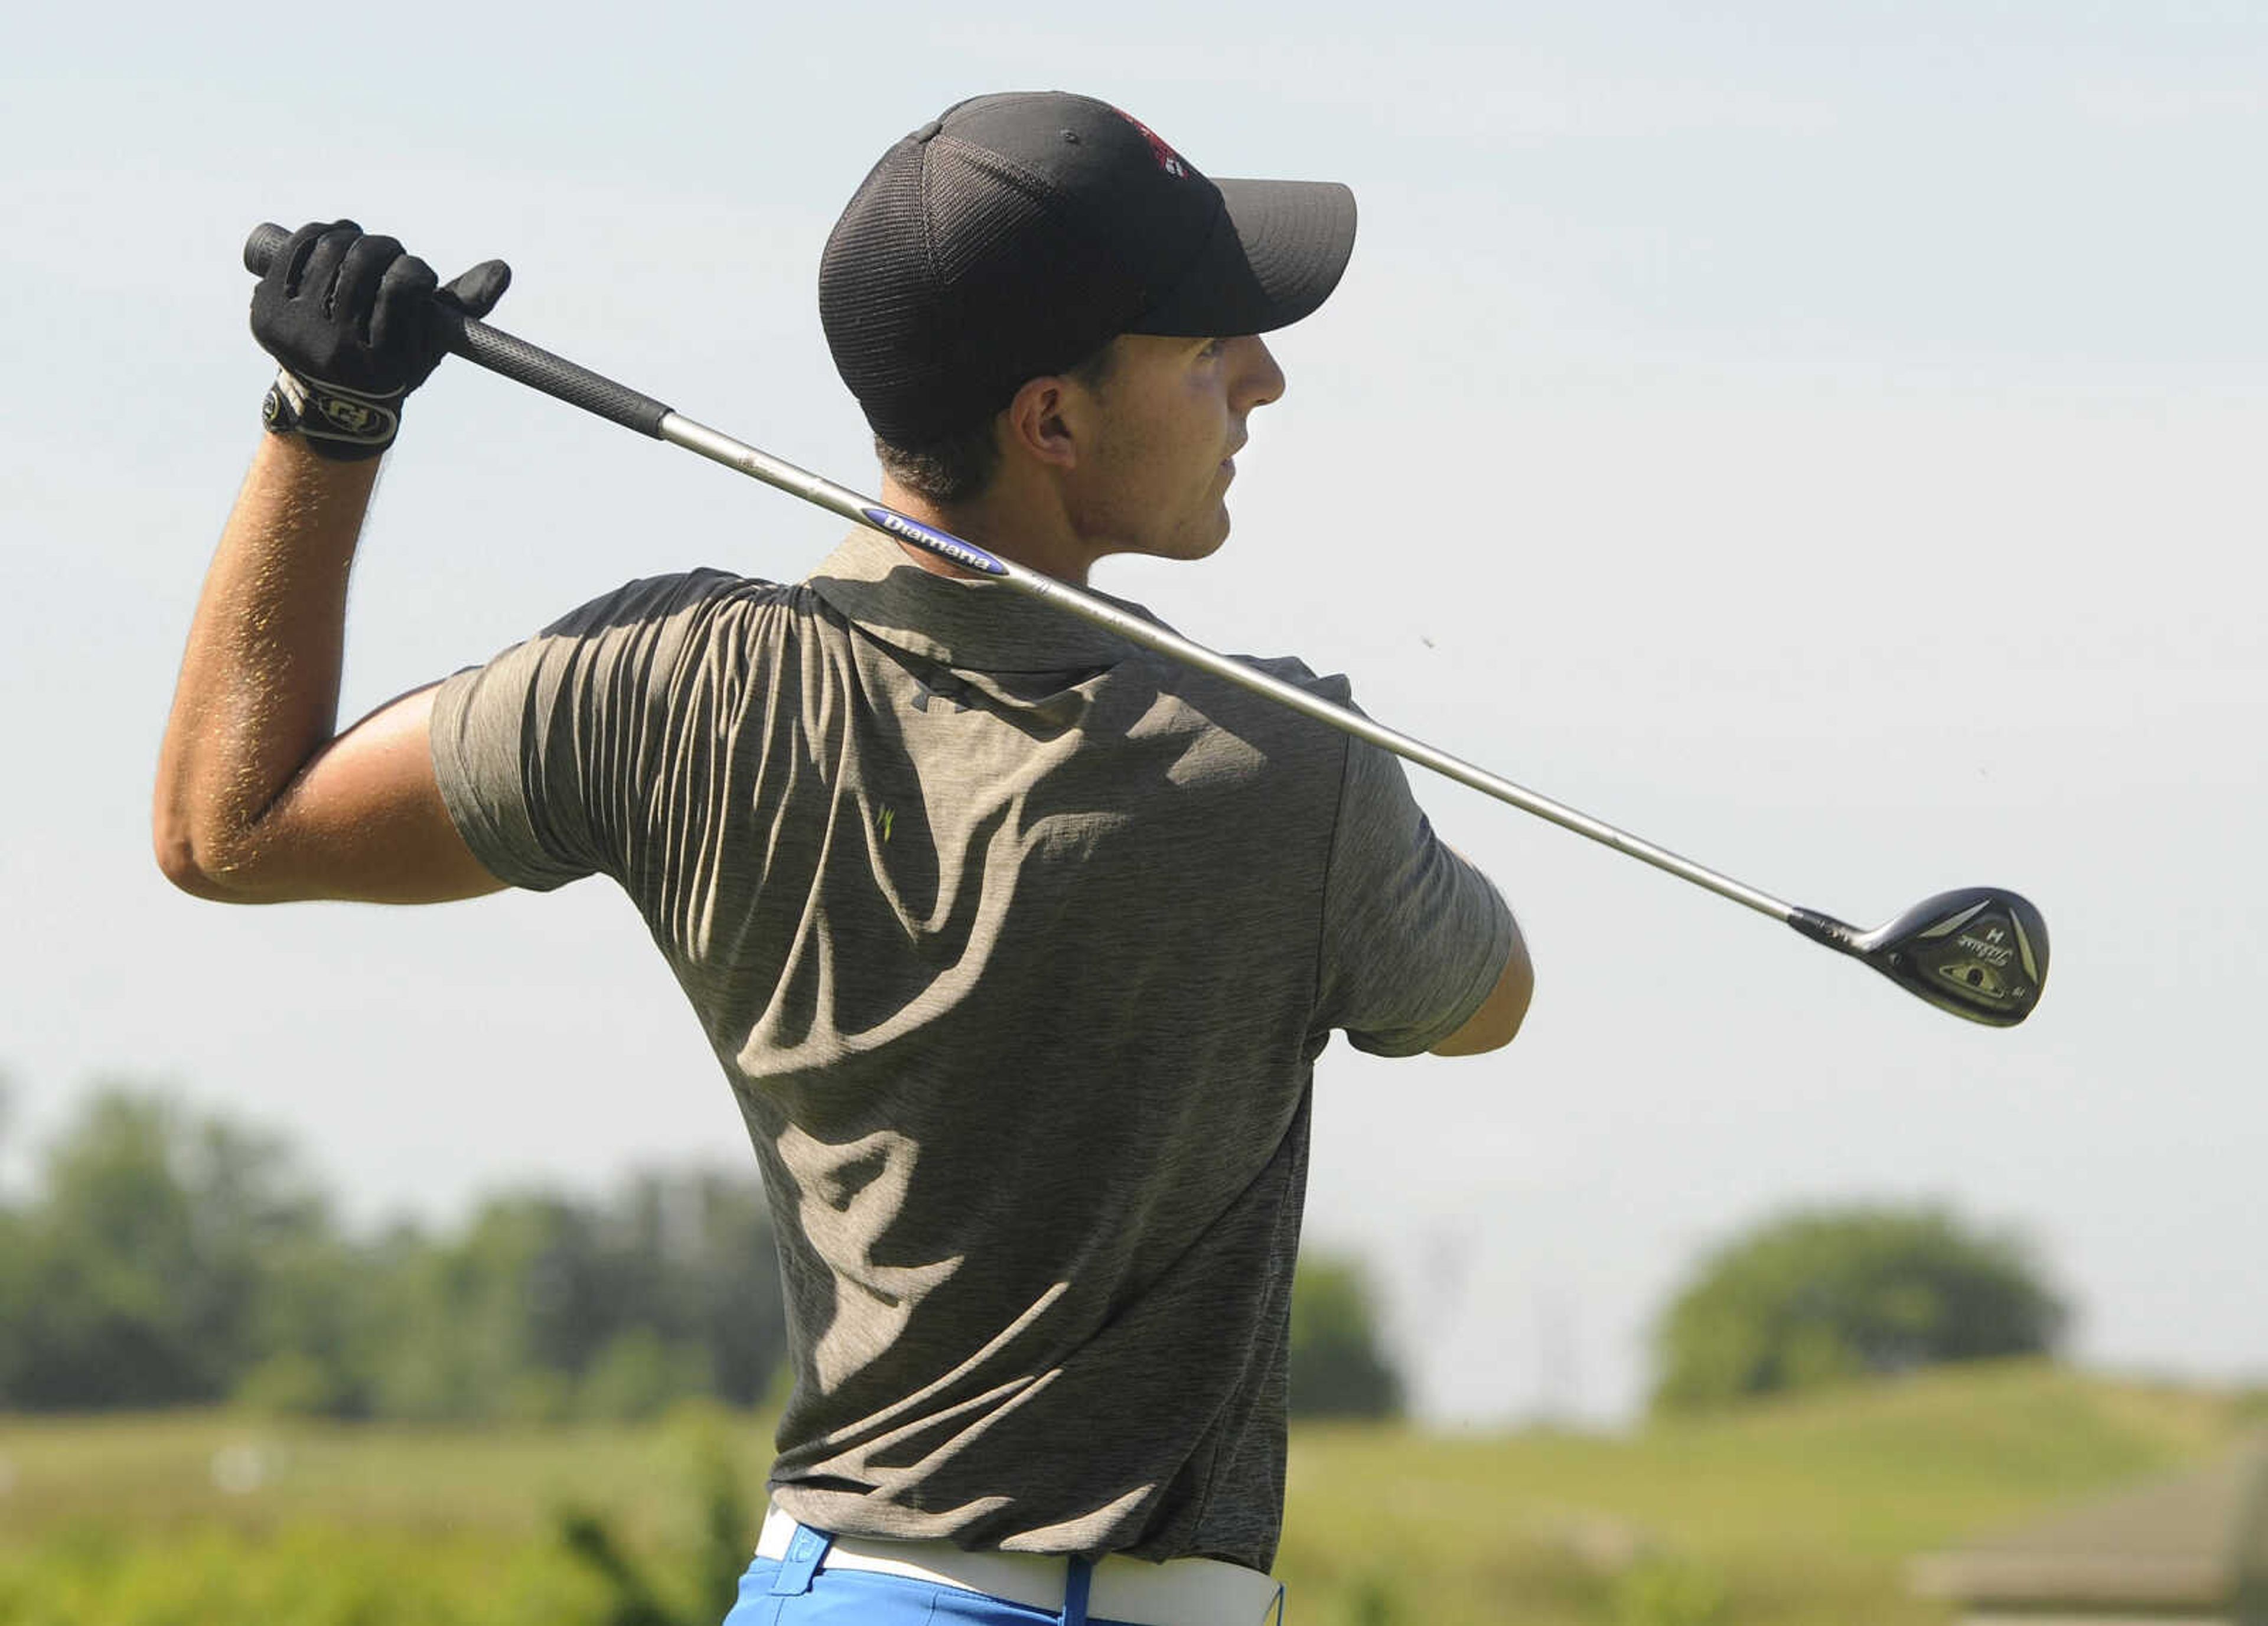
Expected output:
{"points": [[201, 869], [178, 863], [1497, 1021]]}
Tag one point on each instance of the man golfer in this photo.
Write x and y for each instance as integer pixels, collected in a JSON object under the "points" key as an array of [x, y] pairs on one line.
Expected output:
{"points": [[1016, 943]]}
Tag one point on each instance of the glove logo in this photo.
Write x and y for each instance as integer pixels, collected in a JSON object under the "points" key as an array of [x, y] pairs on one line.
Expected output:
{"points": [[351, 416]]}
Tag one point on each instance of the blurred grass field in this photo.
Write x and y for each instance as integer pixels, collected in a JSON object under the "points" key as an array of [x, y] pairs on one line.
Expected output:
{"points": [[1803, 1511]]}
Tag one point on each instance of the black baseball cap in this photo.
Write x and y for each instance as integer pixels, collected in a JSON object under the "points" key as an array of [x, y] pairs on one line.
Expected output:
{"points": [[1020, 232]]}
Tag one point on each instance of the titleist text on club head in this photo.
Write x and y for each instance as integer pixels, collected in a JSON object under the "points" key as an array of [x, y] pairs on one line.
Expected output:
{"points": [[1981, 953]]}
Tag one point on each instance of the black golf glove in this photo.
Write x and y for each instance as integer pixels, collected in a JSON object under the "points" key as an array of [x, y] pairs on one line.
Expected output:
{"points": [[356, 324]]}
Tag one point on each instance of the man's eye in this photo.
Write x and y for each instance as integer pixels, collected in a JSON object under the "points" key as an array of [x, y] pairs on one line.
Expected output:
{"points": [[1214, 347]]}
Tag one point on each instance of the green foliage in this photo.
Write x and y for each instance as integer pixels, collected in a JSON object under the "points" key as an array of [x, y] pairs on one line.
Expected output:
{"points": [[292, 1383], [1668, 1592], [1338, 1367], [721, 1553], [305, 1575], [136, 1280], [1827, 1295], [1802, 1511], [631, 1599], [554, 1308], [1370, 1602], [168, 1259], [639, 1376]]}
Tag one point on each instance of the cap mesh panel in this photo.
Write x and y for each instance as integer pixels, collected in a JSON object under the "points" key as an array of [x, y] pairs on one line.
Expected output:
{"points": [[936, 314], [876, 288]]}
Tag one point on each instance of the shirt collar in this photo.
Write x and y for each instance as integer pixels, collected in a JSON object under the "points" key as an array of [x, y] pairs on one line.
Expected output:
{"points": [[967, 622]]}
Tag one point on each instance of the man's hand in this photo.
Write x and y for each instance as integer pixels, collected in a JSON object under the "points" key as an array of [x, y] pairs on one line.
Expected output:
{"points": [[357, 323]]}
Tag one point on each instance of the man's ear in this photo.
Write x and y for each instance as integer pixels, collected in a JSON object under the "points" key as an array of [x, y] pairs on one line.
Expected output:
{"points": [[1038, 425]]}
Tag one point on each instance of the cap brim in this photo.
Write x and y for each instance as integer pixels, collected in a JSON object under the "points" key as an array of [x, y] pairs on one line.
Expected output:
{"points": [[1279, 249]]}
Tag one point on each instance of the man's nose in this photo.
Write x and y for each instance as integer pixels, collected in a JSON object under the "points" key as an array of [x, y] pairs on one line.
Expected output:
{"points": [[1259, 381]]}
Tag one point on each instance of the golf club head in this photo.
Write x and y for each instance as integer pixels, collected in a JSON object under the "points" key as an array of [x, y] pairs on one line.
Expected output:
{"points": [[1981, 952]]}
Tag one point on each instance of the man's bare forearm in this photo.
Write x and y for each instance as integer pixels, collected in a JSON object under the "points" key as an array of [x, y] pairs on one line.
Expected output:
{"points": [[259, 689]]}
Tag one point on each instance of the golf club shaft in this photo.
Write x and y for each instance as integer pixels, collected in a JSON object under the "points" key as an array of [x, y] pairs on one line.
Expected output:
{"points": [[527, 363], [683, 431]]}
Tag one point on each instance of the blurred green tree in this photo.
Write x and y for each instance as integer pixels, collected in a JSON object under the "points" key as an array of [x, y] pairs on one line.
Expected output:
{"points": [[699, 1265], [639, 1375], [1826, 1295], [136, 1276], [548, 1306], [692, 1594], [167, 1257], [317, 1332], [1339, 1367]]}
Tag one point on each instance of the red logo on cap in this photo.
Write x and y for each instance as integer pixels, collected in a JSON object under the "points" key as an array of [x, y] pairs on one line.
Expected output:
{"points": [[1168, 160]]}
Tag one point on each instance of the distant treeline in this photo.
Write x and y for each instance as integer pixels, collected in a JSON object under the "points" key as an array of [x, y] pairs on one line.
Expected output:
{"points": [[165, 1257], [168, 1258]]}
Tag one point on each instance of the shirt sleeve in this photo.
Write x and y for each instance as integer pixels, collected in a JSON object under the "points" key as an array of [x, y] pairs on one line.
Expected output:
{"points": [[549, 755], [1414, 937]]}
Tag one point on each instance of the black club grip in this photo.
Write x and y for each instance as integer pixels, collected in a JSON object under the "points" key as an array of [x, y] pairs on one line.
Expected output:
{"points": [[515, 358]]}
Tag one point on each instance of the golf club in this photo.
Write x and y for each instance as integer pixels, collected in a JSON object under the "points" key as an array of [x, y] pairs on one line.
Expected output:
{"points": [[1980, 952]]}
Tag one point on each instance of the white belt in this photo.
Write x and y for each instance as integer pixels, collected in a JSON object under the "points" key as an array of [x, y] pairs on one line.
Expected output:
{"points": [[1186, 1591]]}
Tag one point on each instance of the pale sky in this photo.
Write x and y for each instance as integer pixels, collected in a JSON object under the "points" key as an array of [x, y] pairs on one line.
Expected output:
{"points": [[1823, 440]]}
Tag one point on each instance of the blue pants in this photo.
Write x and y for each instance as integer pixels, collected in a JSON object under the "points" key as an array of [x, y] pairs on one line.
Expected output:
{"points": [[793, 1592]]}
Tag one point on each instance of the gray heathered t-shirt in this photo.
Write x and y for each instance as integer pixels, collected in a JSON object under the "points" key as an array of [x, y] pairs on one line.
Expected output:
{"points": [[1017, 945]]}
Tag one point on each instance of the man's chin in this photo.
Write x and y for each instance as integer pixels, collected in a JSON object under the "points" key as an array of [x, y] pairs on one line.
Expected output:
{"points": [[1210, 543], [1185, 547]]}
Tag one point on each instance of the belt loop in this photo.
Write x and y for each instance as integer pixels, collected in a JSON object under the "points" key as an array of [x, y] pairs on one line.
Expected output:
{"points": [[1077, 1584], [805, 1549]]}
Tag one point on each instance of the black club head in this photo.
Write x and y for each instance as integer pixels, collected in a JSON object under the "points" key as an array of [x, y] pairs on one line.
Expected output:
{"points": [[1981, 953]]}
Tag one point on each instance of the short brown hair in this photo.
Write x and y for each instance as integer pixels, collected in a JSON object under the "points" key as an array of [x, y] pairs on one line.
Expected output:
{"points": [[956, 468]]}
